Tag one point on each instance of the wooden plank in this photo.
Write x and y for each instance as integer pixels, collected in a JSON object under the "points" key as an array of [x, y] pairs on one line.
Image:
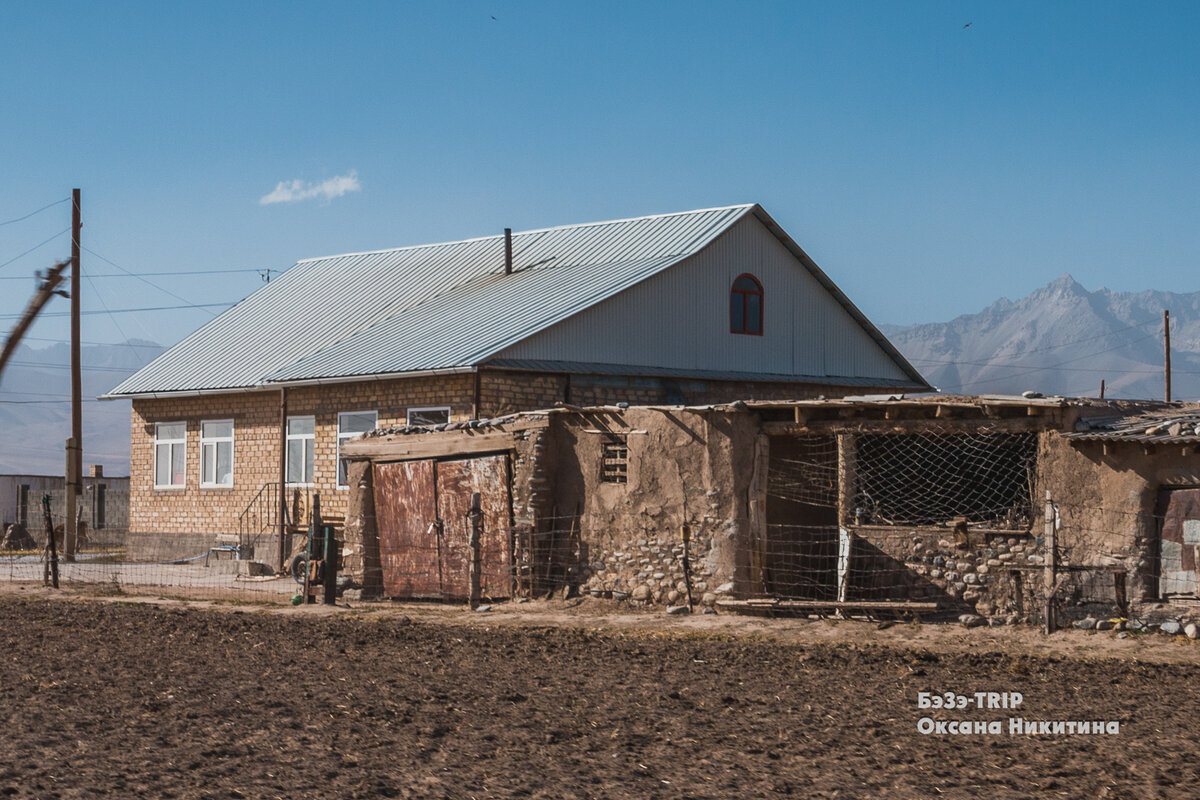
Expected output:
{"points": [[867, 605], [406, 518], [757, 515], [1020, 425], [449, 444]]}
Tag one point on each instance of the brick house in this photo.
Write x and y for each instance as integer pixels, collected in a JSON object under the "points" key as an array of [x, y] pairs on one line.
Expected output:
{"points": [[689, 308]]}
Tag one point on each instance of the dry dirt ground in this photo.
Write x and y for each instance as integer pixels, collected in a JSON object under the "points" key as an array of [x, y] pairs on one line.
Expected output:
{"points": [[129, 698]]}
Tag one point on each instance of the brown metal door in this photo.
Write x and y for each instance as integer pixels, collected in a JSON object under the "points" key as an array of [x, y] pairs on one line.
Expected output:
{"points": [[456, 482], [421, 512], [1179, 542], [406, 518]]}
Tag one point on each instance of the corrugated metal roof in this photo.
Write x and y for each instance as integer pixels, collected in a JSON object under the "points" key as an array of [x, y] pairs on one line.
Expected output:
{"points": [[433, 307], [305, 322]]}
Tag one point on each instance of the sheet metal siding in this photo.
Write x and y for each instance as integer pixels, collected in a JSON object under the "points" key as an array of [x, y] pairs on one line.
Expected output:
{"points": [[680, 318], [308, 317]]}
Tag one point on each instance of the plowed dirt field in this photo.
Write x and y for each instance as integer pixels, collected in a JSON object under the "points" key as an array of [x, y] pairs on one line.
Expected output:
{"points": [[138, 700]]}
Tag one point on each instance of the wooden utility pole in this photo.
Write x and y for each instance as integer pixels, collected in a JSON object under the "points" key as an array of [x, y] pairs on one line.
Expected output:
{"points": [[1167, 351], [1102, 388], [75, 476]]}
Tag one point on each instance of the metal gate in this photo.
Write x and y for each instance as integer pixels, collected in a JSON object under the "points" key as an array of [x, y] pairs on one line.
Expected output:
{"points": [[421, 516], [1179, 542]]}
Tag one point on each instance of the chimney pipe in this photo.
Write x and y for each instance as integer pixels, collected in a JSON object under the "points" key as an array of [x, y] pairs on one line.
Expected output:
{"points": [[508, 251]]}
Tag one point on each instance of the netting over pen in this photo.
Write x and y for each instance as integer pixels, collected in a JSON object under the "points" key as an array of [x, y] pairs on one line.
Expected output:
{"points": [[924, 478]]}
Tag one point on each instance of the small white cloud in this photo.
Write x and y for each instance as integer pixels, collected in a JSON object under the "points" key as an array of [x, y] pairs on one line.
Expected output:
{"points": [[297, 190]]}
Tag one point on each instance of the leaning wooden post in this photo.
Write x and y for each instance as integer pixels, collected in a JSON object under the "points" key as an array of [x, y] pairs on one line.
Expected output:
{"points": [[1048, 576], [51, 550], [474, 529]]}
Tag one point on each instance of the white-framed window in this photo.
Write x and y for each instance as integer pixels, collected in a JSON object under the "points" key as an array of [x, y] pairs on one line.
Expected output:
{"points": [[170, 455], [301, 439], [351, 424], [434, 415], [216, 453]]}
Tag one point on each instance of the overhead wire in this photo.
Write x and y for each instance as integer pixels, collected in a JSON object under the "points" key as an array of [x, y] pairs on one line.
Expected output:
{"points": [[112, 263], [35, 247], [34, 213], [112, 318], [129, 310], [151, 274]]}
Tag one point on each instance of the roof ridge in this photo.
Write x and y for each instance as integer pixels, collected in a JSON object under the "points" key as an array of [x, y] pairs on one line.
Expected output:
{"points": [[576, 226]]}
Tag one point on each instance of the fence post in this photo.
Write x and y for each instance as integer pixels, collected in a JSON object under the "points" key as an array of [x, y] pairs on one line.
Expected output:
{"points": [[51, 550], [474, 526], [331, 566], [1048, 576]]}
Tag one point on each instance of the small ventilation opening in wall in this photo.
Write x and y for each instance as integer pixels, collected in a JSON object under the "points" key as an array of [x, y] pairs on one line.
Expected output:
{"points": [[614, 467]]}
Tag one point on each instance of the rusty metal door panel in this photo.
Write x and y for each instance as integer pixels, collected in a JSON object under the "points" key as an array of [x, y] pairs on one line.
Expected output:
{"points": [[490, 477], [454, 488], [405, 513], [456, 482], [1179, 542]]}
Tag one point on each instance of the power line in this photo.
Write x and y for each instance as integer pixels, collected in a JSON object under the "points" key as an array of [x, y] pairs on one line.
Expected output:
{"points": [[111, 318], [129, 310], [149, 274], [1059, 365], [102, 344], [147, 282], [43, 402], [35, 247], [33, 213], [68, 366]]}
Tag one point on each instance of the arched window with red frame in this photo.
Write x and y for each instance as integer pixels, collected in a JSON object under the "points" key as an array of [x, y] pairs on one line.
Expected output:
{"points": [[746, 305]]}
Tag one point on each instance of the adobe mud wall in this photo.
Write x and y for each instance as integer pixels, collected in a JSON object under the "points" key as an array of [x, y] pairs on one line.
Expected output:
{"points": [[1106, 495], [683, 466]]}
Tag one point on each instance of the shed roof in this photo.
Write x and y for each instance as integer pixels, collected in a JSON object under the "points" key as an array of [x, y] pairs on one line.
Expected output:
{"points": [[439, 307]]}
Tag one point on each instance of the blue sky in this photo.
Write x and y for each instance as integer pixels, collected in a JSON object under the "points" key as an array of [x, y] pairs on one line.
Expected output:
{"points": [[928, 167]]}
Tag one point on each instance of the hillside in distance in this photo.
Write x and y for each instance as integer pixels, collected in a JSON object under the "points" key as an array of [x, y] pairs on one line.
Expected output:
{"points": [[35, 412], [1062, 339]]}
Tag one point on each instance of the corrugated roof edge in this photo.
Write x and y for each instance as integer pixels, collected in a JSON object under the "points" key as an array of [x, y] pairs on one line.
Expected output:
{"points": [[746, 206], [635, 370]]}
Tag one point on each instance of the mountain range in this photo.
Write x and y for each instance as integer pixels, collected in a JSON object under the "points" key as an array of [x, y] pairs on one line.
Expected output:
{"points": [[1062, 339], [35, 412]]}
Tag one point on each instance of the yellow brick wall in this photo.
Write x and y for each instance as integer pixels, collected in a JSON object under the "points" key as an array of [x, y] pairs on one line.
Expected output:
{"points": [[193, 510], [256, 445]]}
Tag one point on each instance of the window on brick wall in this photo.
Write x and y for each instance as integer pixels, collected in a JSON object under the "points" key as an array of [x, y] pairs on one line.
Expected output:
{"points": [[351, 424], [170, 455], [614, 463], [434, 415], [216, 452], [301, 439]]}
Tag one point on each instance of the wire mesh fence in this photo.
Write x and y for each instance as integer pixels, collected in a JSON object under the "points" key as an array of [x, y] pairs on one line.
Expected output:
{"points": [[1089, 559]]}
